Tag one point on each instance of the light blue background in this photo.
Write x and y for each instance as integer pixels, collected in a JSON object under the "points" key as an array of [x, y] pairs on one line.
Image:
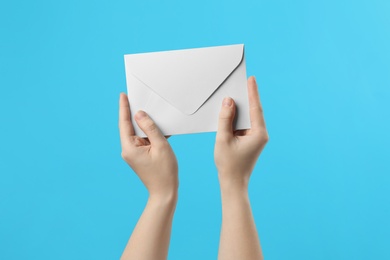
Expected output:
{"points": [[320, 189]]}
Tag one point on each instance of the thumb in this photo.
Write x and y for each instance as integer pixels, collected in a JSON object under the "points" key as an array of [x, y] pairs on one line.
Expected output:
{"points": [[150, 128], [226, 117]]}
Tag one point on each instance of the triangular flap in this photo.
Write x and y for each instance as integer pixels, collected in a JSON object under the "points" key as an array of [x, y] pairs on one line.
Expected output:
{"points": [[186, 78]]}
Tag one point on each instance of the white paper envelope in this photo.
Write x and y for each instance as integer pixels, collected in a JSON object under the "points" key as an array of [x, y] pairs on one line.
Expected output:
{"points": [[183, 90]]}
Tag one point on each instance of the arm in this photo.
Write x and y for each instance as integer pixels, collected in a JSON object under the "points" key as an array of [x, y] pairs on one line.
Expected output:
{"points": [[154, 162], [235, 154]]}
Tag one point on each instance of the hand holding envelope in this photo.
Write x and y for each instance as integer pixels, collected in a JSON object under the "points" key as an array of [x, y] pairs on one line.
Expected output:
{"points": [[182, 90], [153, 160]]}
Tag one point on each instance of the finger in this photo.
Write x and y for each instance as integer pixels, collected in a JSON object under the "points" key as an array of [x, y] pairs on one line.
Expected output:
{"points": [[150, 128], [255, 108], [226, 117], [126, 129]]}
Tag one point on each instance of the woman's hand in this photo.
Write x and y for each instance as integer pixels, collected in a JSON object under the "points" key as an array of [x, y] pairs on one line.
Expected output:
{"points": [[154, 162], [151, 158], [236, 152]]}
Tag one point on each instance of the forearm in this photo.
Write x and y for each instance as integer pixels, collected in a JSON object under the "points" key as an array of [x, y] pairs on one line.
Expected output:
{"points": [[239, 239], [151, 236]]}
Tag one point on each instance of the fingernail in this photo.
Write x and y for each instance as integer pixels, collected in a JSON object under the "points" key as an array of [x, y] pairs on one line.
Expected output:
{"points": [[254, 79], [140, 114], [227, 102]]}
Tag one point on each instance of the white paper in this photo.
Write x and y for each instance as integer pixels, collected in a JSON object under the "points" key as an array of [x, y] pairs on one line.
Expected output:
{"points": [[182, 90]]}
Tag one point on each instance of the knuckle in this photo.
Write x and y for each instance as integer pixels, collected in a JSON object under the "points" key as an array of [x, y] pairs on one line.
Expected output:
{"points": [[162, 145], [257, 108], [221, 138], [226, 114], [224, 119], [125, 155], [128, 154], [150, 127], [267, 137], [262, 137]]}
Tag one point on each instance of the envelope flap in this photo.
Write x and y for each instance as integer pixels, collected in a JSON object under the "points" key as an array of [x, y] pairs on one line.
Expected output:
{"points": [[186, 78]]}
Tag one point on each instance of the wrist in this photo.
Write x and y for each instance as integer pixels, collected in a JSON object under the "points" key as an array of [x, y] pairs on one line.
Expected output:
{"points": [[233, 181], [233, 190], [167, 199]]}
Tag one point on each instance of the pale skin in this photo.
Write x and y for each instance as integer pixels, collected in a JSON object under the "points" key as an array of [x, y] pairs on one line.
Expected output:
{"points": [[153, 160]]}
